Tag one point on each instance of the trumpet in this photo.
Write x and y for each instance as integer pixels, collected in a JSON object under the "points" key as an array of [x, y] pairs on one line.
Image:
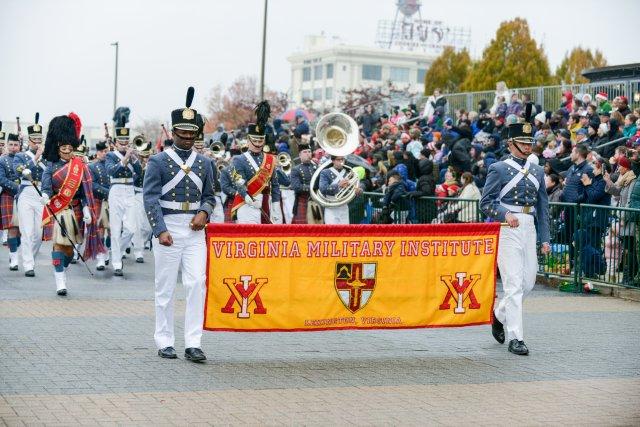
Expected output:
{"points": [[243, 145], [284, 160], [217, 150], [141, 145]]}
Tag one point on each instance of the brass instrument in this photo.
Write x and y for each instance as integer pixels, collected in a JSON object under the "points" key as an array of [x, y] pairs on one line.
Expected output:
{"points": [[337, 135], [141, 145], [217, 150], [284, 160], [243, 145]]}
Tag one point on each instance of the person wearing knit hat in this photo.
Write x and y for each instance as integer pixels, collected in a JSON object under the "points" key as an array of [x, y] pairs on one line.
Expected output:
{"points": [[30, 167], [179, 199], [67, 193], [603, 103]]}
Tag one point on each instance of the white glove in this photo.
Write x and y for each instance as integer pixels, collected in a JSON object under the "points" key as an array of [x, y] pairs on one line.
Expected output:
{"points": [[86, 215], [253, 203], [26, 173], [44, 199]]}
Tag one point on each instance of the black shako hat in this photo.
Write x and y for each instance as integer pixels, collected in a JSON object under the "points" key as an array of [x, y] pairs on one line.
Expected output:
{"points": [[186, 118], [122, 132], [35, 131], [259, 128], [520, 132], [101, 145]]}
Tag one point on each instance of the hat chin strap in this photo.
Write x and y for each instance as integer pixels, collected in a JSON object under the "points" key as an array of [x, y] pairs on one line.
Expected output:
{"points": [[515, 144]]}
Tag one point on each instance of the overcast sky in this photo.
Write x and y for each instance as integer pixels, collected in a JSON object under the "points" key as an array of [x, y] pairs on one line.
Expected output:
{"points": [[56, 55]]}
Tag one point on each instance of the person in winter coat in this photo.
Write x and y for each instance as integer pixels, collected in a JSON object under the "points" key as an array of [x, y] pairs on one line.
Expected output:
{"points": [[603, 104], [621, 190], [466, 209], [502, 94], [629, 126], [567, 101], [594, 220], [482, 107], [395, 200], [436, 100], [425, 187]]}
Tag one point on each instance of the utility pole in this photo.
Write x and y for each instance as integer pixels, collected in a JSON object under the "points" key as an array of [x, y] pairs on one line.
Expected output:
{"points": [[115, 85], [264, 47]]}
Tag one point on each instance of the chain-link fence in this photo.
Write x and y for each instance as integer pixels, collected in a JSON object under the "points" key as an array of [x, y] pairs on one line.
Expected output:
{"points": [[589, 243]]}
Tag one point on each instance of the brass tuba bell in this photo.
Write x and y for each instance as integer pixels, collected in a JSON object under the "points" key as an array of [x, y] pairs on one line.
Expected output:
{"points": [[337, 134]]}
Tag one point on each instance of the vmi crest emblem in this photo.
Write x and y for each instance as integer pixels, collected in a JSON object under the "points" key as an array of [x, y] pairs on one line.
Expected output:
{"points": [[355, 283], [460, 289], [245, 292]]}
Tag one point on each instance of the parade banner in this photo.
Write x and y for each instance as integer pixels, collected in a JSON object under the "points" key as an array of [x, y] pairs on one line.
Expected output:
{"points": [[323, 277]]}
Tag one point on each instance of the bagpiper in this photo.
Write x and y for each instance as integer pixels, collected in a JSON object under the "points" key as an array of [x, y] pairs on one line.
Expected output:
{"points": [[515, 193], [30, 166], [300, 180], [67, 193], [9, 186], [253, 181], [101, 186], [123, 168], [178, 200]]}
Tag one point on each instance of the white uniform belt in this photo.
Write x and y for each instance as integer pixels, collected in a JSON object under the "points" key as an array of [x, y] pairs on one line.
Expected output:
{"points": [[180, 206], [137, 189], [27, 182], [121, 180], [519, 209]]}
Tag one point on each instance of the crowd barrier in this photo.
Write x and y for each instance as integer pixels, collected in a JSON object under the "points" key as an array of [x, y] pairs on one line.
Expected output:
{"points": [[589, 243]]}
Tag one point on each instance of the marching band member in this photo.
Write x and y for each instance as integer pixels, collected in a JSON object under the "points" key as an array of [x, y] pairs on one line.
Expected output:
{"points": [[252, 179], [199, 147], [67, 192], [331, 181], [101, 193], [515, 193], [287, 195], [123, 168], [29, 164], [9, 186], [3, 233], [300, 179], [178, 200]]}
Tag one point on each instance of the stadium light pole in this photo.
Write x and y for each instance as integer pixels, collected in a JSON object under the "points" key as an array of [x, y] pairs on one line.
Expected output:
{"points": [[264, 47], [115, 85]]}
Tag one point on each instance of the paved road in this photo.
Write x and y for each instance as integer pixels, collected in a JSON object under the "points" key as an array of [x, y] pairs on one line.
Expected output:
{"points": [[90, 359]]}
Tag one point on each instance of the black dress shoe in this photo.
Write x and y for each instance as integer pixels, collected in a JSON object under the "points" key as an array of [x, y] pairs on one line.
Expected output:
{"points": [[29, 273], [73, 261], [497, 330], [168, 353], [62, 292], [518, 347], [100, 268], [13, 268], [106, 262], [118, 272], [140, 260], [194, 354]]}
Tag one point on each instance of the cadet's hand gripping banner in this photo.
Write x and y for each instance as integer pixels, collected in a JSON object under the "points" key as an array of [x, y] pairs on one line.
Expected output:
{"points": [[318, 277]]}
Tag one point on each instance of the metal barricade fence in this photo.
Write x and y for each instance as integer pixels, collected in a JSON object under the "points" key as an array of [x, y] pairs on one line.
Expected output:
{"points": [[589, 243]]}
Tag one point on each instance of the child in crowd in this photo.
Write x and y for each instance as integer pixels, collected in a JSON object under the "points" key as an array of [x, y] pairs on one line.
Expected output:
{"points": [[612, 250]]}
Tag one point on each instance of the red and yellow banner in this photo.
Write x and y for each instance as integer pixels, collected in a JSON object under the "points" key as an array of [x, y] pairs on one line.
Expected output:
{"points": [[318, 277]]}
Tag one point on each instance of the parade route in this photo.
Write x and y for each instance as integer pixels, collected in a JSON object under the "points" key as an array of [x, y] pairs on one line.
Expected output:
{"points": [[90, 359]]}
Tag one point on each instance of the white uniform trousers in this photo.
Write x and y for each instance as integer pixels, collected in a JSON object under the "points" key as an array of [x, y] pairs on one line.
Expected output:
{"points": [[247, 214], [217, 216], [337, 215], [288, 199], [121, 205], [30, 220], [518, 264], [189, 251], [136, 227]]}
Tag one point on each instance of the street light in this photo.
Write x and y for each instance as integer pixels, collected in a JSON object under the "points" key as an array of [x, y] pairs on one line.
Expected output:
{"points": [[115, 86], [264, 47]]}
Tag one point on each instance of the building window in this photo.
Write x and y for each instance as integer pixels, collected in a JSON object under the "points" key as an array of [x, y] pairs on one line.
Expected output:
{"points": [[399, 74], [421, 73], [328, 93], [329, 71], [306, 94], [317, 72], [306, 74], [317, 94], [371, 72]]}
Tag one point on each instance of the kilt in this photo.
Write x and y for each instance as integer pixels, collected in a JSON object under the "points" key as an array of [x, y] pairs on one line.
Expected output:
{"points": [[7, 208], [71, 219], [300, 209], [227, 210]]}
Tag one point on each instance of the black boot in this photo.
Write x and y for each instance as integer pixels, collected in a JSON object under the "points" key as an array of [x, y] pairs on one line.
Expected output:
{"points": [[497, 330], [518, 347]]}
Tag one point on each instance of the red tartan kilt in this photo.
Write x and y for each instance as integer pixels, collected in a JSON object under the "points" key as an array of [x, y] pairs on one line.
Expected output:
{"points": [[227, 210], [6, 210], [302, 201]]}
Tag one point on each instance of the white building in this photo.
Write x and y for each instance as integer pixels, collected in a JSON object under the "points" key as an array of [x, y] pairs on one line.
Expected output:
{"points": [[323, 70]]}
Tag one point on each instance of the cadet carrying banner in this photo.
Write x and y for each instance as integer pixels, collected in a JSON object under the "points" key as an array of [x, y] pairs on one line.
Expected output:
{"points": [[317, 277]]}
